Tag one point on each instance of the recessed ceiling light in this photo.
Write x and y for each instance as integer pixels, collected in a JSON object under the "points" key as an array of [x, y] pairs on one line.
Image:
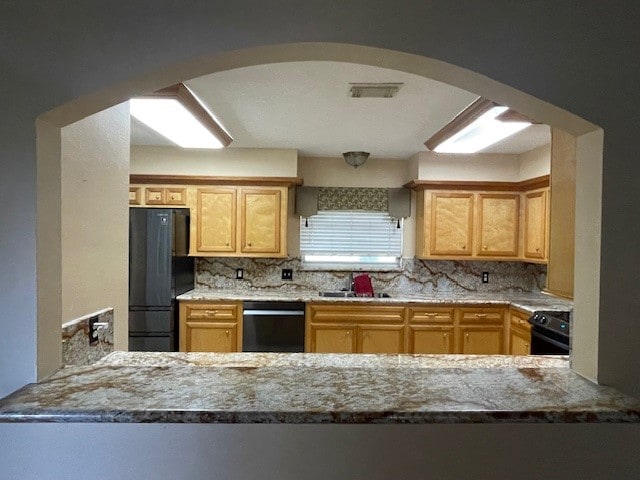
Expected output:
{"points": [[478, 126], [374, 90], [178, 115]]}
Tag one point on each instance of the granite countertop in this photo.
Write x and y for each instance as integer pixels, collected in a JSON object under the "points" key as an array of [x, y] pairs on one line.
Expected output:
{"points": [[524, 301], [318, 388]]}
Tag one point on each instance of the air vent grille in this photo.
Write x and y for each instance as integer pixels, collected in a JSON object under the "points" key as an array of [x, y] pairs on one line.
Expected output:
{"points": [[374, 90]]}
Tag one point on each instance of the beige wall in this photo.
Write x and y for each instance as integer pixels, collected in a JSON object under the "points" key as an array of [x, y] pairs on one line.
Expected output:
{"points": [[232, 162], [95, 217], [483, 166], [535, 163]]}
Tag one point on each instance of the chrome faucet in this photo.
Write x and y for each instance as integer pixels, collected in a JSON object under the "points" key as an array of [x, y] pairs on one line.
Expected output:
{"points": [[350, 284]]}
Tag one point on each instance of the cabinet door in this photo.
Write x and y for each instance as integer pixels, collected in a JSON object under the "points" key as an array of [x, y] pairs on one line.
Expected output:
{"points": [[381, 338], [480, 340], [175, 195], [431, 339], [135, 197], [498, 224], [332, 338], [535, 238], [154, 196], [260, 220], [216, 220], [519, 342], [211, 336], [451, 229]]}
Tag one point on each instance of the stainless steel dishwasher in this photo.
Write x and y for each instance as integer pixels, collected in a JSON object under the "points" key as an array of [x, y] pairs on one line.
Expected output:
{"points": [[273, 327]]}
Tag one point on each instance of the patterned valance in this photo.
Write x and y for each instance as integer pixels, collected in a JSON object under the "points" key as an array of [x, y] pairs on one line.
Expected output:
{"points": [[368, 199], [395, 201]]}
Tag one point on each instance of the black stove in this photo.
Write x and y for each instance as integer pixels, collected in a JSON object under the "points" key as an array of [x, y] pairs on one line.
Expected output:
{"points": [[550, 332]]}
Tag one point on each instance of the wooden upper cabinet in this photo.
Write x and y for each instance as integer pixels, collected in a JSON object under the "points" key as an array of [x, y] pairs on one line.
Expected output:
{"points": [[535, 224], [260, 220], [215, 220], [498, 224], [451, 230]]}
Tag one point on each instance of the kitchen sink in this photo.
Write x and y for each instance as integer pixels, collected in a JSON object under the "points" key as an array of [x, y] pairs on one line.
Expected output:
{"points": [[347, 294]]}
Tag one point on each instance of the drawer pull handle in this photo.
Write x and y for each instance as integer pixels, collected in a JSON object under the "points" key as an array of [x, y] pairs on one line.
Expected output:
{"points": [[481, 315], [430, 314], [211, 313]]}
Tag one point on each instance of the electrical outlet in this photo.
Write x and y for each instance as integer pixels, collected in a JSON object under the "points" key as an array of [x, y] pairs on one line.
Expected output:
{"points": [[287, 274], [485, 277], [239, 273]]}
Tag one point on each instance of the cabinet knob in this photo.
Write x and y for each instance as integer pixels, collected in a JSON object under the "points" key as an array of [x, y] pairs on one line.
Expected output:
{"points": [[464, 247], [226, 332], [537, 249], [348, 332], [226, 244], [444, 335], [466, 336], [249, 244], [526, 345], [485, 247]]}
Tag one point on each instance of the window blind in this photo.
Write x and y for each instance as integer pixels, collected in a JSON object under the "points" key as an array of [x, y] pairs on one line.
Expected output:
{"points": [[351, 236]]}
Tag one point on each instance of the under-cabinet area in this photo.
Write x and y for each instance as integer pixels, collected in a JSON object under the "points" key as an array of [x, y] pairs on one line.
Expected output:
{"points": [[366, 327]]}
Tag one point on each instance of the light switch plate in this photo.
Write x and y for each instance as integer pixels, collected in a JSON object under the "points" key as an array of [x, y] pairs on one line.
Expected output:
{"points": [[287, 274]]}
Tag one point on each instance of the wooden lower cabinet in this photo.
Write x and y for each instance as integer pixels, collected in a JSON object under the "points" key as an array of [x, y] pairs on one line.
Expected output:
{"points": [[431, 330], [332, 338], [381, 338], [480, 331], [480, 340], [519, 333], [210, 327], [340, 328]]}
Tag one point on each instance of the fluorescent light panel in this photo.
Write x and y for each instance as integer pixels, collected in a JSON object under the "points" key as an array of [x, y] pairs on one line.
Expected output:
{"points": [[484, 131], [171, 119]]}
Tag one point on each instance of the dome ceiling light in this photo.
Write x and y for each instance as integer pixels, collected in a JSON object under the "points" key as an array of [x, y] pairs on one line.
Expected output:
{"points": [[355, 159]]}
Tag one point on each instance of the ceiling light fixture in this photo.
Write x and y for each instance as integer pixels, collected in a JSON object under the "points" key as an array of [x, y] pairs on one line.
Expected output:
{"points": [[374, 90], [481, 124], [178, 115], [355, 159]]}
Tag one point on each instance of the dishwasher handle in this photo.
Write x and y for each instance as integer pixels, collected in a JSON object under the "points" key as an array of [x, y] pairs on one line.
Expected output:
{"points": [[274, 313]]}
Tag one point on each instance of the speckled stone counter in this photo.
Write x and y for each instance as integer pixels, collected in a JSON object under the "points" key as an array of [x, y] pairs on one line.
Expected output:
{"points": [[525, 301], [318, 388]]}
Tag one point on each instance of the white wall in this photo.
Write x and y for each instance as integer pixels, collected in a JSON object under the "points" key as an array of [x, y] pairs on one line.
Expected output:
{"points": [[95, 218], [230, 162]]}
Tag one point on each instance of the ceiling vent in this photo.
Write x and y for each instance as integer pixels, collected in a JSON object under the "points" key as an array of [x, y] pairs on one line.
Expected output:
{"points": [[374, 90]]}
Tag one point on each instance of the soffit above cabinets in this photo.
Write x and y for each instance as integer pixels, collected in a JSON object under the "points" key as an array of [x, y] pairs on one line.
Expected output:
{"points": [[307, 106]]}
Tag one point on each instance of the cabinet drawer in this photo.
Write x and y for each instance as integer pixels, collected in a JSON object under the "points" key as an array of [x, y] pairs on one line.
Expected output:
{"points": [[484, 316], [135, 195], [154, 196], [356, 314], [430, 315], [175, 196], [210, 312]]}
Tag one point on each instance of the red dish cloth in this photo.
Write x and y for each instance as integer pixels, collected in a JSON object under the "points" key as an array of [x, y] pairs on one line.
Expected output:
{"points": [[362, 286]]}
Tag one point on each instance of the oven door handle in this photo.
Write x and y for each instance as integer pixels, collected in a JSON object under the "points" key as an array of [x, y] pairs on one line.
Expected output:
{"points": [[537, 334], [274, 313]]}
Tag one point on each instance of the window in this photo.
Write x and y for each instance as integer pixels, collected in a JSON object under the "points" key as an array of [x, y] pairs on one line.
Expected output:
{"points": [[351, 239]]}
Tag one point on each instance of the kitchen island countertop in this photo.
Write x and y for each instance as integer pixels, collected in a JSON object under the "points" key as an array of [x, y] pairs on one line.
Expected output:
{"points": [[138, 387]]}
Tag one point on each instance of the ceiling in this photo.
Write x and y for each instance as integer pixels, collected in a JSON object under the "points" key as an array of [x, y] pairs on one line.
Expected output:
{"points": [[306, 106]]}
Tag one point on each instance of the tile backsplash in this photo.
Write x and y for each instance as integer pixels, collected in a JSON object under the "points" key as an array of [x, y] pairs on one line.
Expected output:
{"points": [[416, 276], [77, 349]]}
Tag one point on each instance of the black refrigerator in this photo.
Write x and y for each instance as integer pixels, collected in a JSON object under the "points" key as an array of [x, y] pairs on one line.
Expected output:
{"points": [[159, 270]]}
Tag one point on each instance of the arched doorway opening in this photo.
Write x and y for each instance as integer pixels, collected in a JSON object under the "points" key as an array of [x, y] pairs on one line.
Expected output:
{"points": [[589, 171]]}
